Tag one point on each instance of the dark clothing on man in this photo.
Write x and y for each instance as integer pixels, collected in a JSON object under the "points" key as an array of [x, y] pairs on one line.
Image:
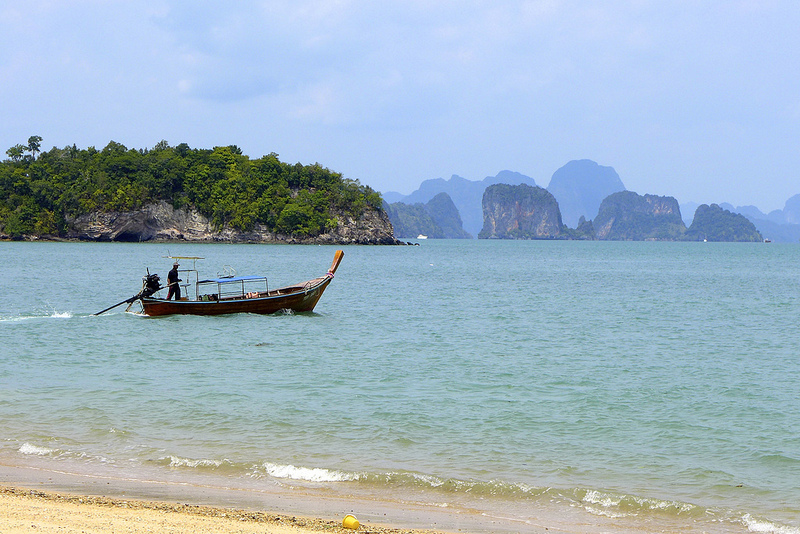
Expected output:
{"points": [[172, 280]]}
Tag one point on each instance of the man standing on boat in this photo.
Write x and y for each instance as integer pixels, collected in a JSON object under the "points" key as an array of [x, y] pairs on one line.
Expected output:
{"points": [[172, 281]]}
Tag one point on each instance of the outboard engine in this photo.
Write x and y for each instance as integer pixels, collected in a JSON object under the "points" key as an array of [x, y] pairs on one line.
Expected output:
{"points": [[151, 284]]}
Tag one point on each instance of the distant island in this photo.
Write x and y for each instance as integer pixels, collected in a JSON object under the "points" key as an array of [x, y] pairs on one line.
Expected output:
{"points": [[524, 212], [181, 193], [465, 194], [438, 219], [520, 212], [581, 187], [713, 223], [627, 216]]}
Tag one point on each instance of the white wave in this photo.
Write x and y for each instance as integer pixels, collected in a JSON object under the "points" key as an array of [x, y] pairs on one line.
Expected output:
{"points": [[177, 461], [28, 448], [609, 501], [606, 513], [595, 497], [433, 481], [527, 488], [766, 527], [655, 504], [314, 474]]}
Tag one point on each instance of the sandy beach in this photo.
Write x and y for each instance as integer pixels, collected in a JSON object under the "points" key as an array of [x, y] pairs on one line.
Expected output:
{"points": [[40, 500], [37, 498], [26, 510]]}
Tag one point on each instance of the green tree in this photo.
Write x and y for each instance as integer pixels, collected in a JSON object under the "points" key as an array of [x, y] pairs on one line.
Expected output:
{"points": [[16, 152], [34, 144], [298, 219]]}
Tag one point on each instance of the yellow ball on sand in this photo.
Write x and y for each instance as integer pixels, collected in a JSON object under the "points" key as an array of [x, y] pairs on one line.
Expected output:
{"points": [[350, 522]]}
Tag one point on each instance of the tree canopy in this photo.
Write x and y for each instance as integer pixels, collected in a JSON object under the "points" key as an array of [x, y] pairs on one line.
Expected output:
{"points": [[41, 191]]}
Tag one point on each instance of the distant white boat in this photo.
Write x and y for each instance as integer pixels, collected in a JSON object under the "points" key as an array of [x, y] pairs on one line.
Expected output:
{"points": [[420, 236]]}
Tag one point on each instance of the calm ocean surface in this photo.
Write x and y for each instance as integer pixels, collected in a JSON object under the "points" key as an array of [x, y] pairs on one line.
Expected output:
{"points": [[625, 384]]}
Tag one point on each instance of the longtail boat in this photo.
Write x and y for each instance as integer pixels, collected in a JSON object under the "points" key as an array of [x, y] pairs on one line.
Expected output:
{"points": [[230, 294]]}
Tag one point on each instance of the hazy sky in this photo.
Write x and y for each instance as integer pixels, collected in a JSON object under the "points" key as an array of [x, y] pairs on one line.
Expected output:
{"points": [[695, 99]]}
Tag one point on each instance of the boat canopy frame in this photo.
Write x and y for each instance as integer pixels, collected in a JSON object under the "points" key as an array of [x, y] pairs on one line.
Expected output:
{"points": [[224, 287], [230, 288]]}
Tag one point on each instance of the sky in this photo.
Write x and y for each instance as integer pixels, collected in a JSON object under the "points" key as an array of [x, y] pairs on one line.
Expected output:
{"points": [[695, 99]]}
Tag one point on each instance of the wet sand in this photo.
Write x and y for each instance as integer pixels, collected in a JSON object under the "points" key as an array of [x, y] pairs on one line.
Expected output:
{"points": [[35, 498], [25, 510], [40, 499]]}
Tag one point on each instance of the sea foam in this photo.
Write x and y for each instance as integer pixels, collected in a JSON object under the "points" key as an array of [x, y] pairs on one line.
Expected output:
{"points": [[28, 448], [766, 527], [314, 474], [177, 461]]}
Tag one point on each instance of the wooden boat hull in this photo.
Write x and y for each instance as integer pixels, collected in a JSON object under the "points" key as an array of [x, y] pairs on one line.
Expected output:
{"points": [[300, 299]]}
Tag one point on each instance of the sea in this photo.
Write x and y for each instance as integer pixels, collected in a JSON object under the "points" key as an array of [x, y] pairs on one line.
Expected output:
{"points": [[458, 385]]}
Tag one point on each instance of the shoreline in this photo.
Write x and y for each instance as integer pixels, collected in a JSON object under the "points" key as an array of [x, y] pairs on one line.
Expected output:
{"points": [[309, 509], [38, 497], [45, 511], [213, 241]]}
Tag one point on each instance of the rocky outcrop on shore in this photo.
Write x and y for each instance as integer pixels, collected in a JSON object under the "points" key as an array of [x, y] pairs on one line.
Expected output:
{"points": [[162, 222]]}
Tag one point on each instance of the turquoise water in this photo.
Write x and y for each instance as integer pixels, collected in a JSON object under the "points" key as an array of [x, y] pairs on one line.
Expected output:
{"points": [[637, 383]]}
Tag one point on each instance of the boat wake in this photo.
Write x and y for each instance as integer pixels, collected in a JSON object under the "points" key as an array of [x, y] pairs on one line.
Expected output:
{"points": [[34, 316]]}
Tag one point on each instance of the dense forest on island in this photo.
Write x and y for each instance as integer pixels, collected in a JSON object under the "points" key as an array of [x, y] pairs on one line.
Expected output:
{"points": [[40, 191]]}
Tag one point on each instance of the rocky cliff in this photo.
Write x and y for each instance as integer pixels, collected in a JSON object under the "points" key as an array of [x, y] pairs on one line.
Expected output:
{"points": [[160, 221], [467, 195], [411, 220], [438, 219], [445, 213], [627, 216], [520, 212]]}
